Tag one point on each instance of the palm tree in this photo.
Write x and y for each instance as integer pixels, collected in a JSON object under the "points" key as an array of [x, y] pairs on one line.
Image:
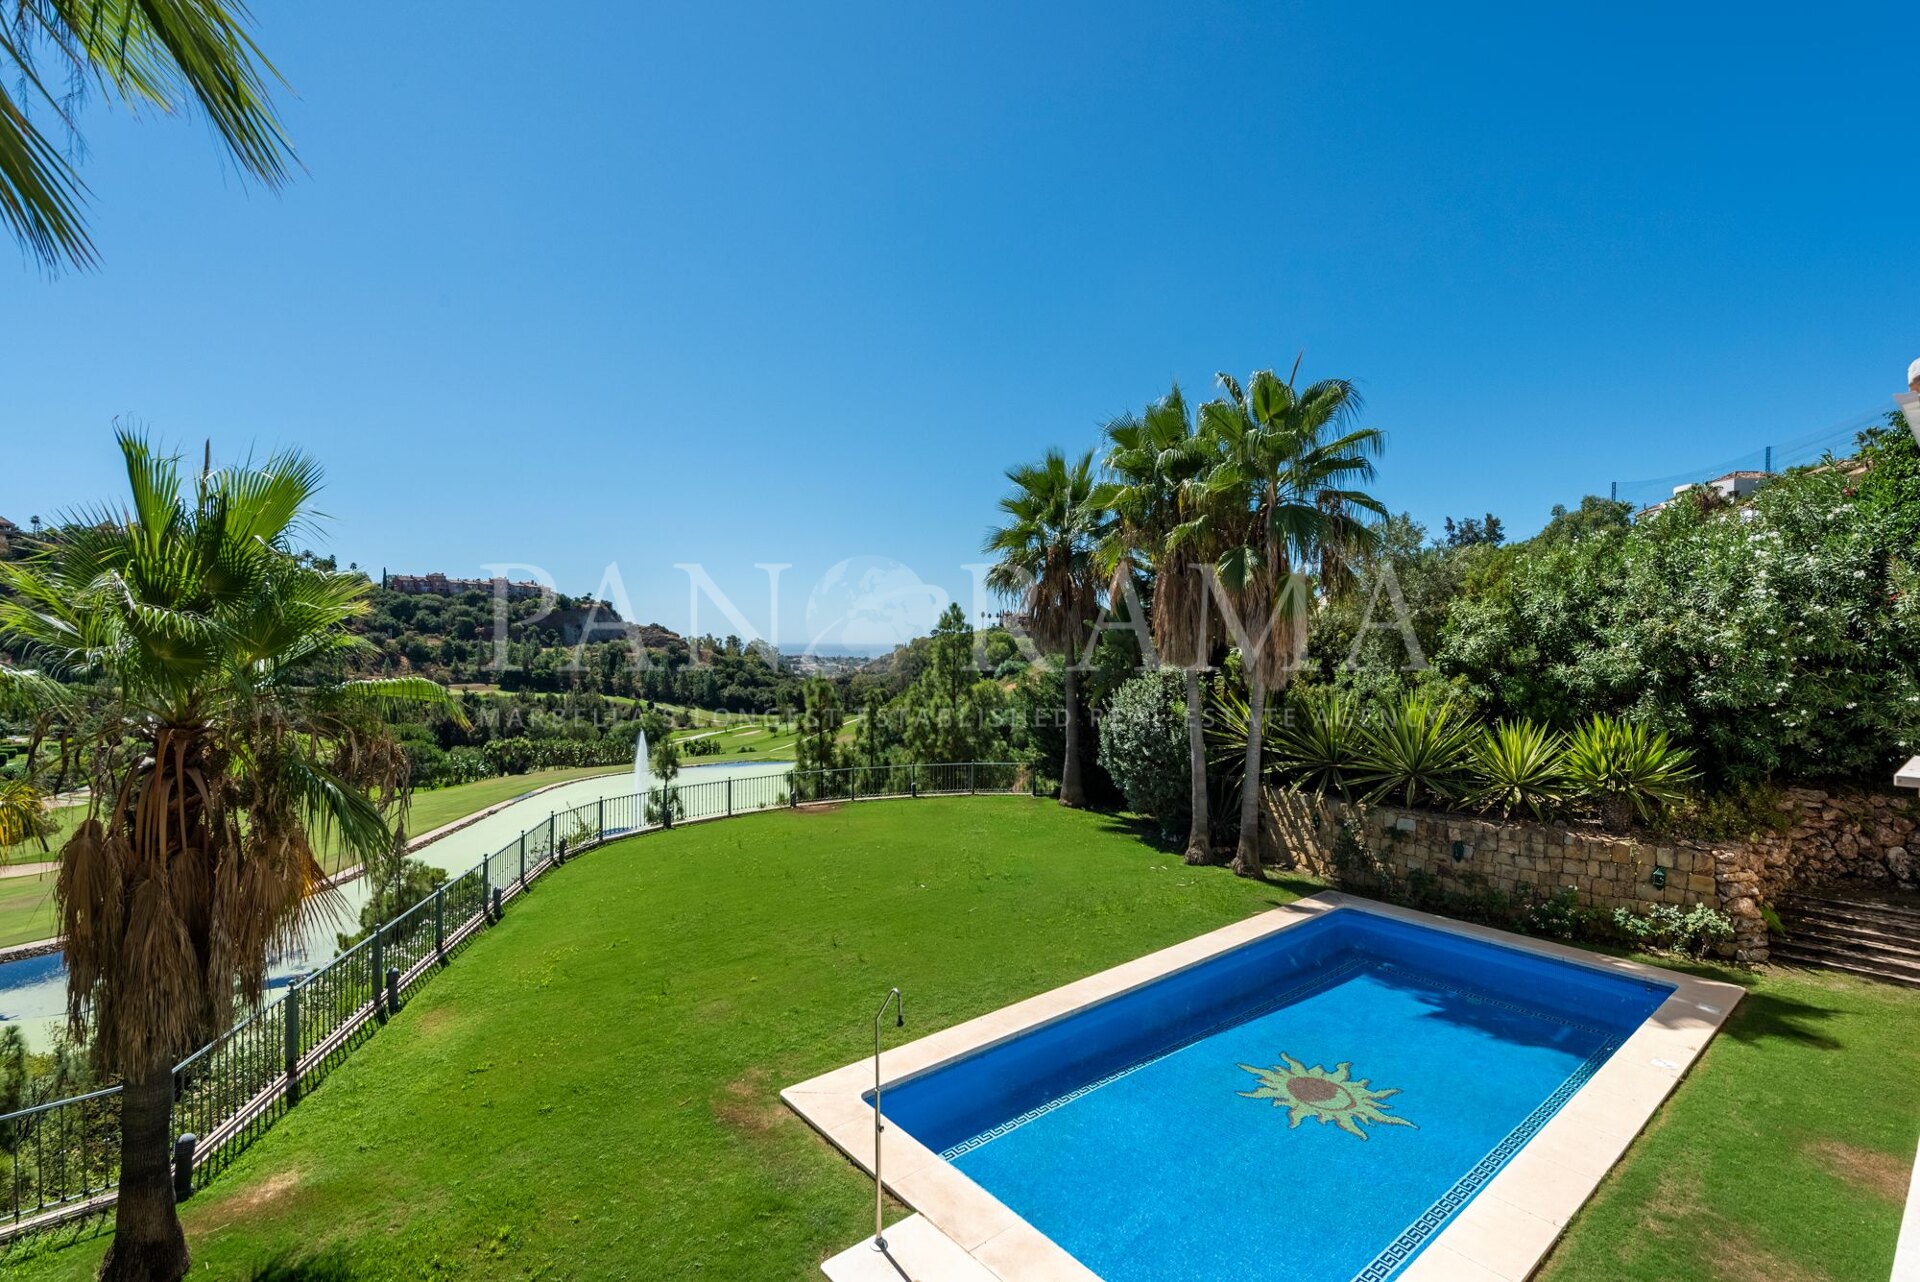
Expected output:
{"points": [[1160, 525], [22, 811], [163, 54], [1287, 461], [28, 696], [223, 753], [1046, 563]]}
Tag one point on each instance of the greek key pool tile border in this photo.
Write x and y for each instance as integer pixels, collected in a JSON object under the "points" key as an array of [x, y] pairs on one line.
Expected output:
{"points": [[1414, 1237], [1504, 1215]]}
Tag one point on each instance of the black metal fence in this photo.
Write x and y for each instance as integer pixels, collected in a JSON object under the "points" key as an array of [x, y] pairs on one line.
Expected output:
{"points": [[61, 1158]]}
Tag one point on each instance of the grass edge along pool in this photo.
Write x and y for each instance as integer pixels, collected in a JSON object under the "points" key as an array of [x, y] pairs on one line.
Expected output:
{"points": [[1427, 1058]]}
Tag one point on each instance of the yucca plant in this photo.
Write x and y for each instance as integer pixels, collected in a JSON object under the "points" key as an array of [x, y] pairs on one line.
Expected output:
{"points": [[1517, 767], [1626, 770], [1420, 750], [1317, 744]]}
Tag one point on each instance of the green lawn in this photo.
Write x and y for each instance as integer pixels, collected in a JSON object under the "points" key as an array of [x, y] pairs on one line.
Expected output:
{"points": [[438, 806], [739, 741], [26, 909], [591, 1091], [26, 903], [1785, 1155]]}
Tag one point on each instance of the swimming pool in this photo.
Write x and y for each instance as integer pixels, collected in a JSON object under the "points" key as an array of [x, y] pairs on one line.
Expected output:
{"points": [[1317, 1103]]}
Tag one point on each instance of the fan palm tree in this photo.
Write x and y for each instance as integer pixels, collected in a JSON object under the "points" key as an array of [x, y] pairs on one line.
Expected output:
{"points": [[1159, 527], [22, 810], [1287, 461], [163, 54], [27, 696], [1045, 552], [223, 752]]}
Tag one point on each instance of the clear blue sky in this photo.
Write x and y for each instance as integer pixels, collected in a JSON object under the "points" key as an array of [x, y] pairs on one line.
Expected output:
{"points": [[723, 283]]}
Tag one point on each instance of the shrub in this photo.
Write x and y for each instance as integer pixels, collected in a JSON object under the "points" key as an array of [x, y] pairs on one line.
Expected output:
{"points": [[1626, 770], [392, 895], [1419, 751], [1561, 917], [1143, 746], [1667, 928], [465, 765], [1735, 815], [1518, 766]]}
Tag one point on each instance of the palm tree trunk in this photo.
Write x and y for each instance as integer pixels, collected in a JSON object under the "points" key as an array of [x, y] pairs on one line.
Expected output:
{"points": [[1246, 857], [1200, 833], [1072, 791], [148, 1245]]}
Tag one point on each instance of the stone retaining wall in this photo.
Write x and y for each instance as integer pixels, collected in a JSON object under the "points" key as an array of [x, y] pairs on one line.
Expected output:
{"points": [[1834, 839]]}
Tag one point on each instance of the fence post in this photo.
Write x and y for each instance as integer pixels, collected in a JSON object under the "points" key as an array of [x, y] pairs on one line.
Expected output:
{"points": [[852, 780], [601, 806], [973, 776], [292, 1022], [523, 860], [379, 969], [550, 832], [440, 923], [182, 1167], [793, 790], [913, 779], [729, 796]]}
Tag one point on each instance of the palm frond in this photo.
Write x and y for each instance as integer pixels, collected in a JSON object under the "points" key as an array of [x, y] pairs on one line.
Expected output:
{"points": [[391, 696], [40, 195], [166, 54], [24, 691]]}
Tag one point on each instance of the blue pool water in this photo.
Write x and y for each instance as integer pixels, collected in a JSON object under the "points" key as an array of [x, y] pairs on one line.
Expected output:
{"points": [[1126, 1134]]}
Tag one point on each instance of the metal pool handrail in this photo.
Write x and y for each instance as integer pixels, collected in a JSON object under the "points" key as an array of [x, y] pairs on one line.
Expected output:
{"points": [[59, 1159], [899, 1004]]}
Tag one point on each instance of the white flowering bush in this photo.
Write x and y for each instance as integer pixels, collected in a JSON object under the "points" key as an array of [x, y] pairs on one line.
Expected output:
{"points": [[1780, 639]]}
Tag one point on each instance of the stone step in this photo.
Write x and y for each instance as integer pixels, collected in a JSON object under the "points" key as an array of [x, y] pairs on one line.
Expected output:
{"points": [[1870, 967], [1811, 928], [916, 1252], [1845, 948], [1876, 909]]}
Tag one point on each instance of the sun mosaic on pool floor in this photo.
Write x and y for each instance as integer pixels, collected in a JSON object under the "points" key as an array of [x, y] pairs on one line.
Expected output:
{"points": [[1325, 1096]]}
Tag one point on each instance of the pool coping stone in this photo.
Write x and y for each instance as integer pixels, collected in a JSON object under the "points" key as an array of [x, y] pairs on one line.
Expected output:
{"points": [[1503, 1233]]}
